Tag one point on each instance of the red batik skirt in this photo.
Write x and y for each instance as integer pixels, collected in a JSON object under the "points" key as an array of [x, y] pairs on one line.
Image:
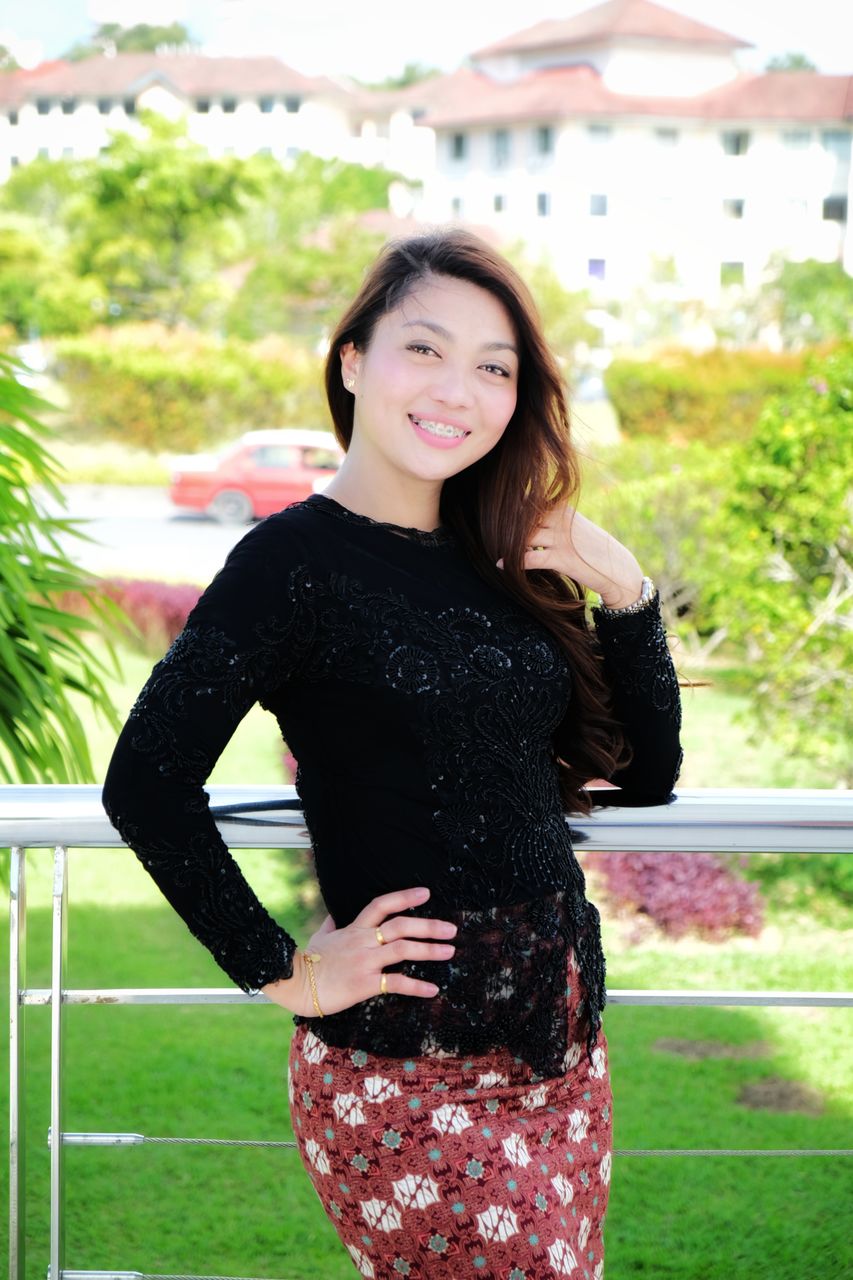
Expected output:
{"points": [[458, 1167]]}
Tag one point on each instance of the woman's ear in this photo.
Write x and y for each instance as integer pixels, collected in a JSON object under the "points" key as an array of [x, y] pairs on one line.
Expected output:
{"points": [[350, 360]]}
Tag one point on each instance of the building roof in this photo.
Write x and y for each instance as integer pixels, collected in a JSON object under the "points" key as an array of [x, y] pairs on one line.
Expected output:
{"points": [[617, 19], [191, 75], [472, 98]]}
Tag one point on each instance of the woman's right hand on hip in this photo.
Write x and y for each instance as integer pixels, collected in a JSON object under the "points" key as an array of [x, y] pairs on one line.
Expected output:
{"points": [[351, 960]]}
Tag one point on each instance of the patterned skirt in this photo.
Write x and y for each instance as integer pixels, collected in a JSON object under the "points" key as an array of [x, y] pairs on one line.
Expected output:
{"points": [[447, 1167]]}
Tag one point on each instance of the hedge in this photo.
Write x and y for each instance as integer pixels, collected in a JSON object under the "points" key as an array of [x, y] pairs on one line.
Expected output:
{"points": [[167, 390], [716, 396]]}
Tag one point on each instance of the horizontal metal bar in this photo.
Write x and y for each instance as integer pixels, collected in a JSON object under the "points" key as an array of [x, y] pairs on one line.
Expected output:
{"points": [[731, 1151], [615, 995], [139, 1139], [146, 995], [698, 820], [138, 1275]]}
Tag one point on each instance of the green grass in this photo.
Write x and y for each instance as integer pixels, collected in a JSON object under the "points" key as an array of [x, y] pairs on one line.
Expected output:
{"points": [[220, 1072]]}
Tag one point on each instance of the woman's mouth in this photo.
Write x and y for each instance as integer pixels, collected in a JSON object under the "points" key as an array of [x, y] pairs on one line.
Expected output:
{"points": [[442, 435]]}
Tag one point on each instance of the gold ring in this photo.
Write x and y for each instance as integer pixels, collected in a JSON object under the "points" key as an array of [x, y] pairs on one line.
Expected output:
{"points": [[379, 937], [383, 984]]}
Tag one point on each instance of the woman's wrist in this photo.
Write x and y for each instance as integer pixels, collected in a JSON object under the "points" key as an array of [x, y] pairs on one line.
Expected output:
{"points": [[622, 597], [292, 993], [642, 599]]}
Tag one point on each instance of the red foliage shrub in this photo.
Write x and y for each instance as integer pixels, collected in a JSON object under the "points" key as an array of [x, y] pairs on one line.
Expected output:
{"points": [[156, 611], [681, 892]]}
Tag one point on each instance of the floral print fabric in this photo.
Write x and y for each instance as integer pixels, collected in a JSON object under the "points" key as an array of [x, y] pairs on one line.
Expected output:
{"points": [[449, 1167]]}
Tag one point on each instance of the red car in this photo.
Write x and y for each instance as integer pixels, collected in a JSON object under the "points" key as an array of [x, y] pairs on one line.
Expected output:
{"points": [[259, 474]]}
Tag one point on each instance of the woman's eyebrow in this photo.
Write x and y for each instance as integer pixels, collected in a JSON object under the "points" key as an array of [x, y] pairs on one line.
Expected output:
{"points": [[445, 333]]}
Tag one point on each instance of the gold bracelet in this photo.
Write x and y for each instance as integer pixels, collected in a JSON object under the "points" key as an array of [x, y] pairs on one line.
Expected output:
{"points": [[312, 957]]}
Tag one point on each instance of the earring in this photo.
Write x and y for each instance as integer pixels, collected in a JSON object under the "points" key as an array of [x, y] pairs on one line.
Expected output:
{"points": [[349, 384]]}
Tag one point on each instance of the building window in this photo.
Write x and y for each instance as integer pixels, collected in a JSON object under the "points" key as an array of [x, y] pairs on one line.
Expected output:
{"points": [[598, 206], [292, 104], [229, 106], [735, 142], [43, 106], [837, 143], [44, 154], [796, 139], [202, 106], [543, 204], [599, 132], [14, 162], [500, 148], [13, 117], [544, 140], [264, 151], [456, 206], [266, 105], [666, 137], [731, 273], [733, 208], [68, 106], [835, 209], [67, 153], [105, 106], [595, 268], [499, 203], [458, 146], [130, 106]]}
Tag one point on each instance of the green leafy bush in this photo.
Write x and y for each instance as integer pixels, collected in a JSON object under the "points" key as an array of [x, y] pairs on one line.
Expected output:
{"points": [[160, 389], [716, 396], [779, 569], [658, 498]]}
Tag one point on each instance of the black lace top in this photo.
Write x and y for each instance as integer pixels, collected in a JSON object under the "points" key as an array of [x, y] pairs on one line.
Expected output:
{"points": [[425, 709]]}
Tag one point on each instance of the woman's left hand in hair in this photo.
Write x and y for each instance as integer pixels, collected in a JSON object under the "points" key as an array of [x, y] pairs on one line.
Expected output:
{"points": [[574, 546]]}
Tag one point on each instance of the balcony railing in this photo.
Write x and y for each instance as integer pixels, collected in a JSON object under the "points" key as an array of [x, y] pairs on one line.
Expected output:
{"points": [[65, 817]]}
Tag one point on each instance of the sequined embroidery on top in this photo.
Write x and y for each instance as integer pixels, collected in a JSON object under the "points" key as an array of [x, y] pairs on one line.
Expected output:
{"points": [[426, 711]]}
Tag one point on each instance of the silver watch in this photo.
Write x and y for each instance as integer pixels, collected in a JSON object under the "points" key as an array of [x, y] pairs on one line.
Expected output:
{"points": [[646, 597]]}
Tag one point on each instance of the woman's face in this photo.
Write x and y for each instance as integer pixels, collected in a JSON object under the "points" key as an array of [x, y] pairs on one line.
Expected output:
{"points": [[438, 383]]}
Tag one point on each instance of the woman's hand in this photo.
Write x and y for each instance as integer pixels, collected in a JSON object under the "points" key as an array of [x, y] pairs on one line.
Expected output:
{"points": [[352, 959], [572, 545]]}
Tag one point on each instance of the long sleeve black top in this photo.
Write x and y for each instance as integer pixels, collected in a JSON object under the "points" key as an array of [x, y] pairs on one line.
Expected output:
{"points": [[426, 710]]}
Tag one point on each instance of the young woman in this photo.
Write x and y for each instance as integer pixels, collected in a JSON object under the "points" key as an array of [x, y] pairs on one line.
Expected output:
{"points": [[420, 633]]}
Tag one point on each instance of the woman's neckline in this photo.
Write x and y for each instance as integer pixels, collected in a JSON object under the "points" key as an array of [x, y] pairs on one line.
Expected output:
{"points": [[441, 536]]}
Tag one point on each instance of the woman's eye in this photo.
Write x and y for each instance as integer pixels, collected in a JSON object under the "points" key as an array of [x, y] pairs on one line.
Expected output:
{"points": [[418, 346], [498, 369]]}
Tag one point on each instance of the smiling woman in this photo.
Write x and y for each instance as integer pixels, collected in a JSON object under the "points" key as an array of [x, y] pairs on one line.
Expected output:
{"points": [[420, 632]]}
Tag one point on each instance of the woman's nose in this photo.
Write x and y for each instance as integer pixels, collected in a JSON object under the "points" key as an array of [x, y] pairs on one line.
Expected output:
{"points": [[452, 385]]}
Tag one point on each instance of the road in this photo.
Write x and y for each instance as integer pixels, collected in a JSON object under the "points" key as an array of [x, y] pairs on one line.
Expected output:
{"points": [[137, 533]]}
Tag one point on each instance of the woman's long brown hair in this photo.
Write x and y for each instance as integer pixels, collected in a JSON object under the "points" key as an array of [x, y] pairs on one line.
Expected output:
{"points": [[495, 504]]}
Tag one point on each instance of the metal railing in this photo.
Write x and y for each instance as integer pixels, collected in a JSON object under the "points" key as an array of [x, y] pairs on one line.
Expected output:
{"points": [[64, 817]]}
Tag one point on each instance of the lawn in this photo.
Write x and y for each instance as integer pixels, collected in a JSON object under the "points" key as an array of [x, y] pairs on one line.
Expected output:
{"points": [[682, 1077]]}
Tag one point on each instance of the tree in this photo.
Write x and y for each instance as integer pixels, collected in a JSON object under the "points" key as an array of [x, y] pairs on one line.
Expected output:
{"points": [[790, 62], [111, 38], [782, 584], [412, 73], [45, 652], [306, 249], [8, 62], [39, 292], [811, 301], [158, 219]]}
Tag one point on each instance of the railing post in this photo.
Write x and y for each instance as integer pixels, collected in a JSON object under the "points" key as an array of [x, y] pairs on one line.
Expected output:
{"points": [[59, 943], [17, 1053]]}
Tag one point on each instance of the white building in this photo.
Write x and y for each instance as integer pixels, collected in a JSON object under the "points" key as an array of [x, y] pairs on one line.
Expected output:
{"points": [[233, 106], [625, 142]]}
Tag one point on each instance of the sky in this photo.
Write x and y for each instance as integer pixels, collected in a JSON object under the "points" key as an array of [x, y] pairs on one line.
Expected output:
{"points": [[377, 38]]}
